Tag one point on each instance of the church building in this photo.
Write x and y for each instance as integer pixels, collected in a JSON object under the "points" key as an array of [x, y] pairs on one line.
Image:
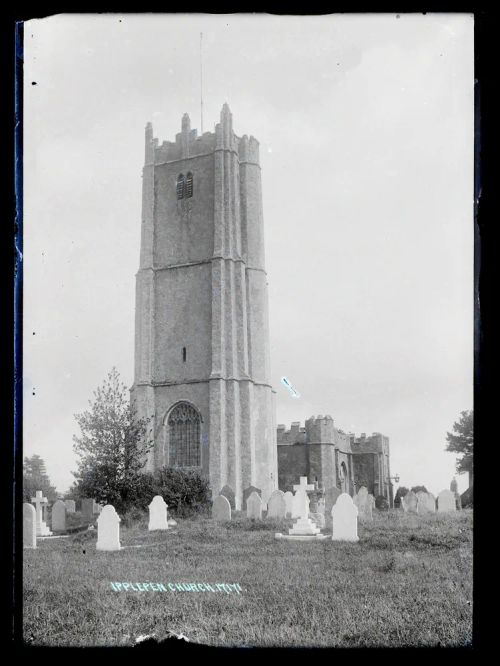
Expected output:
{"points": [[202, 362], [202, 366], [330, 457]]}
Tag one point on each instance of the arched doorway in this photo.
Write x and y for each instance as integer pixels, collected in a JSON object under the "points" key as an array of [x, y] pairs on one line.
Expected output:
{"points": [[343, 478], [182, 445]]}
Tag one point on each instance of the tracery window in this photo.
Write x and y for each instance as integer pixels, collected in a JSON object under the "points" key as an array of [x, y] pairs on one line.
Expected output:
{"points": [[184, 436], [189, 185], [180, 186]]}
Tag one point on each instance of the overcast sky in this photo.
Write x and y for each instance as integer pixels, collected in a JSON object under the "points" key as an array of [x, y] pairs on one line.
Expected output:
{"points": [[365, 125]]}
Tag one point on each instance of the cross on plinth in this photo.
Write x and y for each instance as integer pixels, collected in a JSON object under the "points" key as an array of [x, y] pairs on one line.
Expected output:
{"points": [[303, 485], [38, 501], [302, 498]]}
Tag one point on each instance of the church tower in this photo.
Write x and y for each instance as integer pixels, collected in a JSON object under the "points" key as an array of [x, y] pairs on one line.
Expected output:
{"points": [[202, 362]]}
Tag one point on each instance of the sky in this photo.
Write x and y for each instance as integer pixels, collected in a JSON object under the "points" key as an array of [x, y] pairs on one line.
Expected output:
{"points": [[365, 124]]}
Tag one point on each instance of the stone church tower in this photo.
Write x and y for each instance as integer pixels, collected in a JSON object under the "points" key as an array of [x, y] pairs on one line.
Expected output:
{"points": [[202, 367]]}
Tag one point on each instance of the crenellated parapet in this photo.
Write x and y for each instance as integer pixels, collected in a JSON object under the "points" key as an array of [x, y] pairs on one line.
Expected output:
{"points": [[248, 149]]}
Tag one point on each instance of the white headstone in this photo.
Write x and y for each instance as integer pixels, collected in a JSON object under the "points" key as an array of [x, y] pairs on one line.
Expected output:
{"points": [[288, 497], [158, 514], [254, 506], [70, 505], [446, 501], [59, 516], [41, 526], [426, 502], [345, 519], [108, 529], [221, 509], [29, 526], [276, 507]]}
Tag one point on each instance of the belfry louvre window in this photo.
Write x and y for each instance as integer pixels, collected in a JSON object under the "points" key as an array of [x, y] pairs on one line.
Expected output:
{"points": [[189, 185], [180, 186], [184, 436]]}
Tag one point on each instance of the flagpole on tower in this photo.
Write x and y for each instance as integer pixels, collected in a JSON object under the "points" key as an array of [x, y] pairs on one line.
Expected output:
{"points": [[201, 81]]}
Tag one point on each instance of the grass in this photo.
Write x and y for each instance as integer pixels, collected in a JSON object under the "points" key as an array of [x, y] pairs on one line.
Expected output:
{"points": [[408, 582]]}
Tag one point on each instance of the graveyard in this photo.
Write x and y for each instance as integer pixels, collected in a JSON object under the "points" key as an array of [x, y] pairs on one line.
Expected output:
{"points": [[227, 580]]}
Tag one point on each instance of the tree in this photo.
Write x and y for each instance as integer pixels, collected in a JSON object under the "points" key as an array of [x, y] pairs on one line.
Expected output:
{"points": [[35, 478], [112, 446], [461, 441], [418, 489]]}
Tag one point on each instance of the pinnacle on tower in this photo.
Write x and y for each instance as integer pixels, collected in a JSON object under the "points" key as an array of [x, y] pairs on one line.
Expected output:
{"points": [[186, 123]]}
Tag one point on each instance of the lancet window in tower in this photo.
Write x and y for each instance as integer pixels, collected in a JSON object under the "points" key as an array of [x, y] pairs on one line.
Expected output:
{"points": [[189, 185], [180, 186], [184, 436]]}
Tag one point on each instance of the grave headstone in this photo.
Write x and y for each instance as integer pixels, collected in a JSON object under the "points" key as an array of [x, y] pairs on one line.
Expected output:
{"points": [[88, 509], [318, 519], [59, 516], [288, 497], [409, 502], [70, 505], [331, 496], [369, 506], [276, 507], [246, 494], [254, 506], [446, 501], [29, 526], [361, 501], [426, 502], [381, 503], [321, 505], [221, 509], [158, 514], [40, 501], [228, 492], [108, 529], [344, 519]]}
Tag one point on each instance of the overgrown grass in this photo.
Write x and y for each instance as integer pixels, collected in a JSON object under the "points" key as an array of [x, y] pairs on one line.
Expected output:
{"points": [[407, 582]]}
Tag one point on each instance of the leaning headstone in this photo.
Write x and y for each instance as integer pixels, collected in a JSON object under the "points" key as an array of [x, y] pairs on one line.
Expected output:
{"points": [[254, 507], [70, 505], [221, 509], [345, 519], [228, 492], [29, 526], [246, 494], [108, 529], [59, 516], [288, 497], [409, 502], [331, 496], [446, 501], [88, 509], [426, 502], [158, 514], [276, 507], [40, 501]]}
